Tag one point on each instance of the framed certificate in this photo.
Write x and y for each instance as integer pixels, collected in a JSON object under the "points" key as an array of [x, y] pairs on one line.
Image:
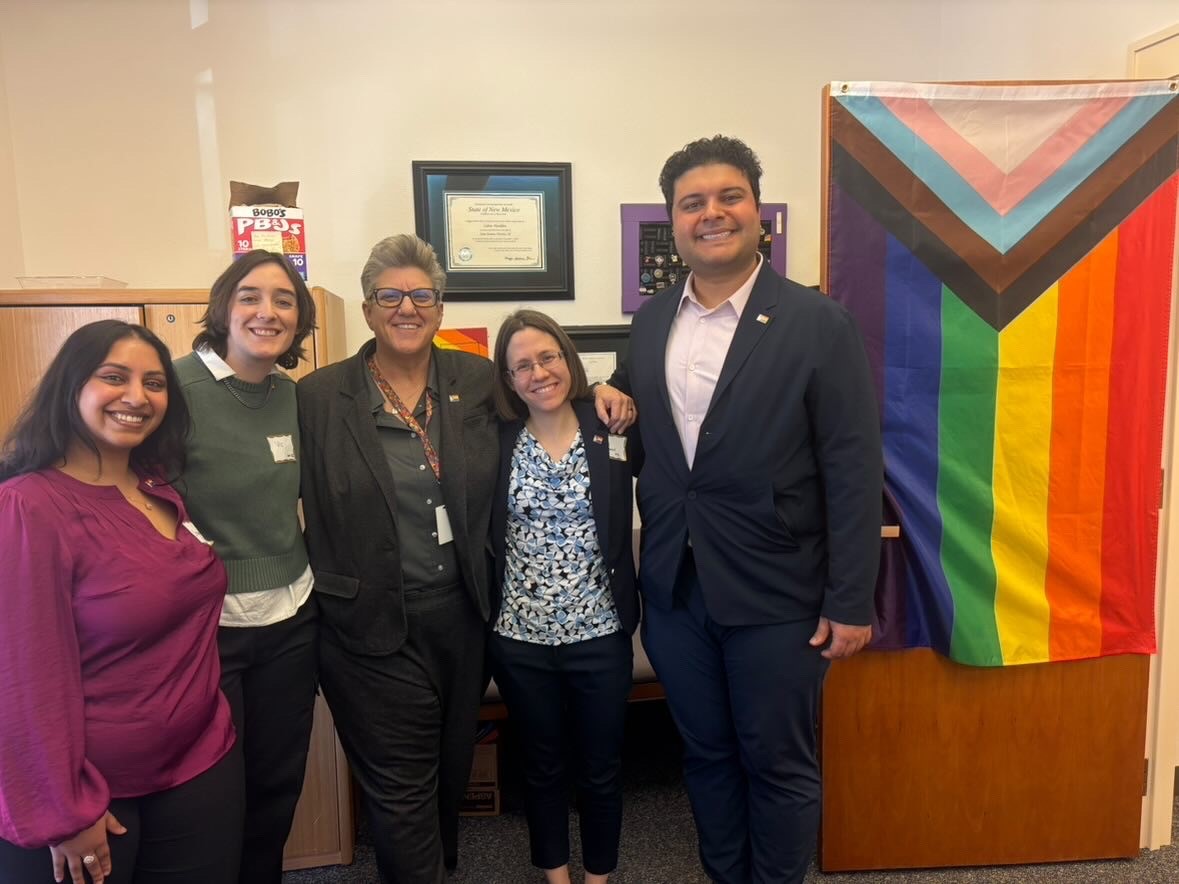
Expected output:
{"points": [[502, 231], [602, 348]]}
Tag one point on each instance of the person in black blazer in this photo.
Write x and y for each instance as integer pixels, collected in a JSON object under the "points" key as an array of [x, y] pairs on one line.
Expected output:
{"points": [[400, 451], [565, 603], [760, 501]]}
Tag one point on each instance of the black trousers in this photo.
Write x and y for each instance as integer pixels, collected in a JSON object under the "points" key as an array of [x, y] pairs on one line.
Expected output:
{"points": [[189, 834], [407, 724], [745, 700], [569, 697], [268, 676]]}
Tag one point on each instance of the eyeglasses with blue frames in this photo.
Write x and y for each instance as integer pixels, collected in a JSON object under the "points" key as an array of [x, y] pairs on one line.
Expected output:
{"points": [[524, 370], [418, 297]]}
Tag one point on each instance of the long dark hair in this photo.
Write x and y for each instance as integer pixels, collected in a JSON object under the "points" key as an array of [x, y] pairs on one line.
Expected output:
{"points": [[50, 421], [215, 334]]}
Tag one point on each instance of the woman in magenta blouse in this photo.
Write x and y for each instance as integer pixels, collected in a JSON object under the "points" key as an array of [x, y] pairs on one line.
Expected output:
{"points": [[117, 754]]}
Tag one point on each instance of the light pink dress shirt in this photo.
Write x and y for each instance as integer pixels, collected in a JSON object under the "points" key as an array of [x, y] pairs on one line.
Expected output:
{"points": [[696, 349]]}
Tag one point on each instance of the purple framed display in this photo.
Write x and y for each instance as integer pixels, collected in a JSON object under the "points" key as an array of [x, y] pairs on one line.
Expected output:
{"points": [[649, 260]]}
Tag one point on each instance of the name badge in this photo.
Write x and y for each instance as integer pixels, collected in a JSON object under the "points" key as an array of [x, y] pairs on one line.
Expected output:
{"points": [[445, 535], [617, 447], [282, 448], [195, 532]]}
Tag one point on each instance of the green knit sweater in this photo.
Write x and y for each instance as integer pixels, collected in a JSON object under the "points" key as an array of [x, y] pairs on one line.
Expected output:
{"points": [[236, 494]]}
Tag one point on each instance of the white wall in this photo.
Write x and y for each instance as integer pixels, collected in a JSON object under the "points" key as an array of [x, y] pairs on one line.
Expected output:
{"points": [[122, 156], [122, 121], [11, 249]]}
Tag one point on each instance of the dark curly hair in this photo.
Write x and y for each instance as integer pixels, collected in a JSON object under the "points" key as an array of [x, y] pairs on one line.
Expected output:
{"points": [[705, 151], [215, 320], [50, 421]]}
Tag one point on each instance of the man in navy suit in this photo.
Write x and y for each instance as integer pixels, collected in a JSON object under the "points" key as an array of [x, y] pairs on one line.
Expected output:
{"points": [[761, 504]]}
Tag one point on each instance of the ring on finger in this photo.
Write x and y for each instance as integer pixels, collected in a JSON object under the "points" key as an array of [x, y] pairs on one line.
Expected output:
{"points": [[90, 859]]}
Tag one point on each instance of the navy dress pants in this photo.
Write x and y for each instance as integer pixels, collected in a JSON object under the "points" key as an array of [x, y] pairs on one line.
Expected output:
{"points": [[569, 700], [745, 700]]}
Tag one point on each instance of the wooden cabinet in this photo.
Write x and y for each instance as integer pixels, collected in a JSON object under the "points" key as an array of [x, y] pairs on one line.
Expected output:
{"points": [[33, 325]]}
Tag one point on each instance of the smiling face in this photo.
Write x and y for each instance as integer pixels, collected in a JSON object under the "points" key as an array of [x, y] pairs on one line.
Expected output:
{"points": [[716, 221], [543, 388], [125, 398], [404, 331], [263, 318]]}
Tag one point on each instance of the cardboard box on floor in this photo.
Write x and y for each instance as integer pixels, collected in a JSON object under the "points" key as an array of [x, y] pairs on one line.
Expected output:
{"points": [[482, 795]]}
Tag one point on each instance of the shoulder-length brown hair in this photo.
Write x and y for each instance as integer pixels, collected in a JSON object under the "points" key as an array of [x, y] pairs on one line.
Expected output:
{"points": [[215, 320], [509, 405]]}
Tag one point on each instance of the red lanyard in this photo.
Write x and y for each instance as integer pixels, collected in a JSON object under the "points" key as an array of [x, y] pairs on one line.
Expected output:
{"points": [[407, 416]]}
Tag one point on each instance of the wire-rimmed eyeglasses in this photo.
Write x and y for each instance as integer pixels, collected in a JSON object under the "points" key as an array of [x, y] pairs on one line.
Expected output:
{"points": [[523, 370], [418, 297]]}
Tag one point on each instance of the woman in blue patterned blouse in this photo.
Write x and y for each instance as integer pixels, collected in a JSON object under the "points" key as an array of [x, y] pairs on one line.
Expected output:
{"points": [[567, 606]]}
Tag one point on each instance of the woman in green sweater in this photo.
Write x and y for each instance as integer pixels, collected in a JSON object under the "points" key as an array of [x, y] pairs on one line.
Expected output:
{"points": [[241, 486]]}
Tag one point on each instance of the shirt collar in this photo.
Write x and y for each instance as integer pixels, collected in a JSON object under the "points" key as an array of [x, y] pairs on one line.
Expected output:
{"points": [[737, 300], [218, 367]]}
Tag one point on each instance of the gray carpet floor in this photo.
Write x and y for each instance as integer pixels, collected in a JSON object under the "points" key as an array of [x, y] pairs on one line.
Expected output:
{"points": [[659, 839]]}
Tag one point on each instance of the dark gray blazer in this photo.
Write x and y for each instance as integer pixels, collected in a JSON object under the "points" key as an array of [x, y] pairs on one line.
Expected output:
{"points": [[350, 504]]}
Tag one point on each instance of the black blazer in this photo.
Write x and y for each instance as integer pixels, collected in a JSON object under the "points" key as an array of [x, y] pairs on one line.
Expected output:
{"points": [[350, 504], [612, 499], [783, 501]]}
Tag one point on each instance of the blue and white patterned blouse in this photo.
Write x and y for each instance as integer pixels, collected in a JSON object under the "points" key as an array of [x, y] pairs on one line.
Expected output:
{"points": [[556, 584]]}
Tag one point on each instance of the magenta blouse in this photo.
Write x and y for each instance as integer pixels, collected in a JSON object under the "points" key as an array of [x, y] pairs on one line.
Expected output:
{"points": [[108, 655]]}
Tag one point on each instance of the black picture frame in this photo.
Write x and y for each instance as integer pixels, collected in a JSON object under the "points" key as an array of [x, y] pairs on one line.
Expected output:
{"points": [[509, 226], [600, 340]]}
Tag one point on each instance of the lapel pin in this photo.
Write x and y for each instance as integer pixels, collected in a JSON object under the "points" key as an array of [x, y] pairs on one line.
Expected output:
{"points": [[454, 397], [763, 319]]}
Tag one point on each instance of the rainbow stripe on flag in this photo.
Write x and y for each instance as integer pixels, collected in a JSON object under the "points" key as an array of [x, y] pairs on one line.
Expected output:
{"points": [[1008, 252]]}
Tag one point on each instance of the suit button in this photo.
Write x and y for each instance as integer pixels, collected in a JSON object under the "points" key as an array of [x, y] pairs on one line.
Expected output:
{"points": [[691, 495]]}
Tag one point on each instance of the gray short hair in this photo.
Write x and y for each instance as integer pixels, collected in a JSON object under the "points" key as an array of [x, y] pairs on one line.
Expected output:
{"points": [[402, 250]]}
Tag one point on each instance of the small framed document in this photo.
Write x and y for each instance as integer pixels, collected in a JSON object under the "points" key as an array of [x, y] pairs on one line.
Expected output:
{"points": [[602, 348], [502, 231]]}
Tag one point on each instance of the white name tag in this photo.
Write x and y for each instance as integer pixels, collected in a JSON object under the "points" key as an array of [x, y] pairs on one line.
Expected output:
{"points": [[445, 535], [195, 532], [617, 447], [282, 448]]}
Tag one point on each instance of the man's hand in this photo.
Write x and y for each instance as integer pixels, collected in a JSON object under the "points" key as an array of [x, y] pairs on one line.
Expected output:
{"points": [[845, 640], [615, 409]]}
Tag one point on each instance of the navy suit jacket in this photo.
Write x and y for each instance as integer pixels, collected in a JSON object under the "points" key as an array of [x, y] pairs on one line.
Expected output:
{"points": [[612, 498], [783, 502]]}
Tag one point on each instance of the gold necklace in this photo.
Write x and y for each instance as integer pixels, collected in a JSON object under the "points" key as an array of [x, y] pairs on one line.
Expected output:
{"points": [[142, 501]]}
